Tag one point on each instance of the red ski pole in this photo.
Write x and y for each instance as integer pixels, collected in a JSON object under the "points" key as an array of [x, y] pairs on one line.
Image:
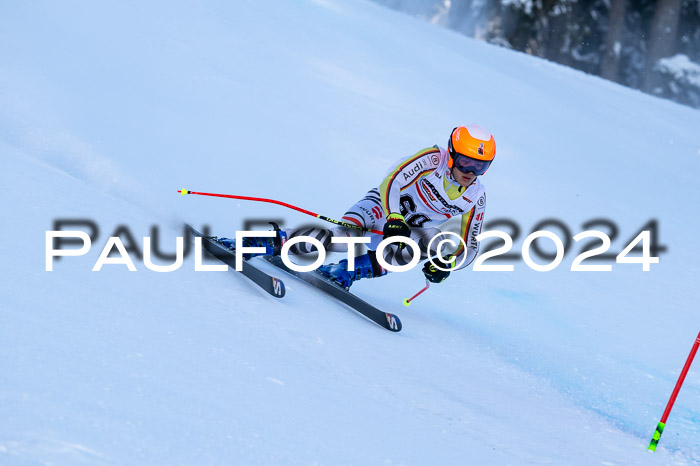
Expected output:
{"points": [[298, 209], [681, 378], [407, 302]]}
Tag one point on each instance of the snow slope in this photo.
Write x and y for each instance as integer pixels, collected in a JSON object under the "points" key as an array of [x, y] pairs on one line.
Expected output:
{"points": [[107, 109]]}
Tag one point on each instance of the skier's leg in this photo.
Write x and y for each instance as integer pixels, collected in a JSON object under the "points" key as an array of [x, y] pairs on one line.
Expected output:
{"points": [[273, 245], [366, 266], [422, 236], [368, 213]]}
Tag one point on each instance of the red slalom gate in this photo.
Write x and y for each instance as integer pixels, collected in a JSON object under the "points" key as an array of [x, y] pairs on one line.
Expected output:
{"points": [[667, 411]]}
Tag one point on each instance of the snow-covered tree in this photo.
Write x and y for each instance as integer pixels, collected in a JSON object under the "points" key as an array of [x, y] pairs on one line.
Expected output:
{"points": [[633, 42]]}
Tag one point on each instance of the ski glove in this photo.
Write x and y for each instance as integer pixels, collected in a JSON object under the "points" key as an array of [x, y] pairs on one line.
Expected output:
{"points": [[435, 275], [396, 226]]}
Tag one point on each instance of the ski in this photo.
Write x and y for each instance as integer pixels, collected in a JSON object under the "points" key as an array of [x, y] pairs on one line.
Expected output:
{"points": [[389, 321], [272, 285]]}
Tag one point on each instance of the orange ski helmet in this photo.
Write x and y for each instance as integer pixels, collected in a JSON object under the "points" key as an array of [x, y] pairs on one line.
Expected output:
{"points": [[471, 149]]}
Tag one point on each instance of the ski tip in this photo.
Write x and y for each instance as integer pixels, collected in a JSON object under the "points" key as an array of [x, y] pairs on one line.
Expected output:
{"points": [[278, 288], [183, 191], [393, 323]]}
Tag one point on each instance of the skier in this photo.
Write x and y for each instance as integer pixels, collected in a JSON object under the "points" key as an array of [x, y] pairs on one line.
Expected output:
{"points": [[419, 194]]}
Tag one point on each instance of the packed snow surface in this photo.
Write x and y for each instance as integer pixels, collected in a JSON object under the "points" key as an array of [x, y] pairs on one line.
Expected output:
{"points": [[107, 109]]}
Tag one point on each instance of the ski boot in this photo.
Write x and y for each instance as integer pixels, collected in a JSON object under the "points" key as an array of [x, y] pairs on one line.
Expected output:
{"points": [[272, 245], [366, 266]]}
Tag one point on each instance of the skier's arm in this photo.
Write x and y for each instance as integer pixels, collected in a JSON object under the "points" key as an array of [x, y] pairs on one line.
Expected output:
{"points": [[471, 228]]}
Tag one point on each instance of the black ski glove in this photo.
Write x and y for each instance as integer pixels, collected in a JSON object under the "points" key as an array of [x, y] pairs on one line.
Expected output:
{"points": [[396, 226], [435, 275]]}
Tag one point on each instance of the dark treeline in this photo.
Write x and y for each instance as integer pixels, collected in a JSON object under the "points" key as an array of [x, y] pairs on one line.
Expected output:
{"points": [[652, 45]]}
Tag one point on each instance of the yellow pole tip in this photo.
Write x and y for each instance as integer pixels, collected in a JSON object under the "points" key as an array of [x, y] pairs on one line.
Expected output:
{"points": [[184, 191], [406, 302]]}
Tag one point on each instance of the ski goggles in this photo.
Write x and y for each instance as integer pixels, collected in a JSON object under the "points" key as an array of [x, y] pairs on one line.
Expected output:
{"points": [[469, 165]]}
